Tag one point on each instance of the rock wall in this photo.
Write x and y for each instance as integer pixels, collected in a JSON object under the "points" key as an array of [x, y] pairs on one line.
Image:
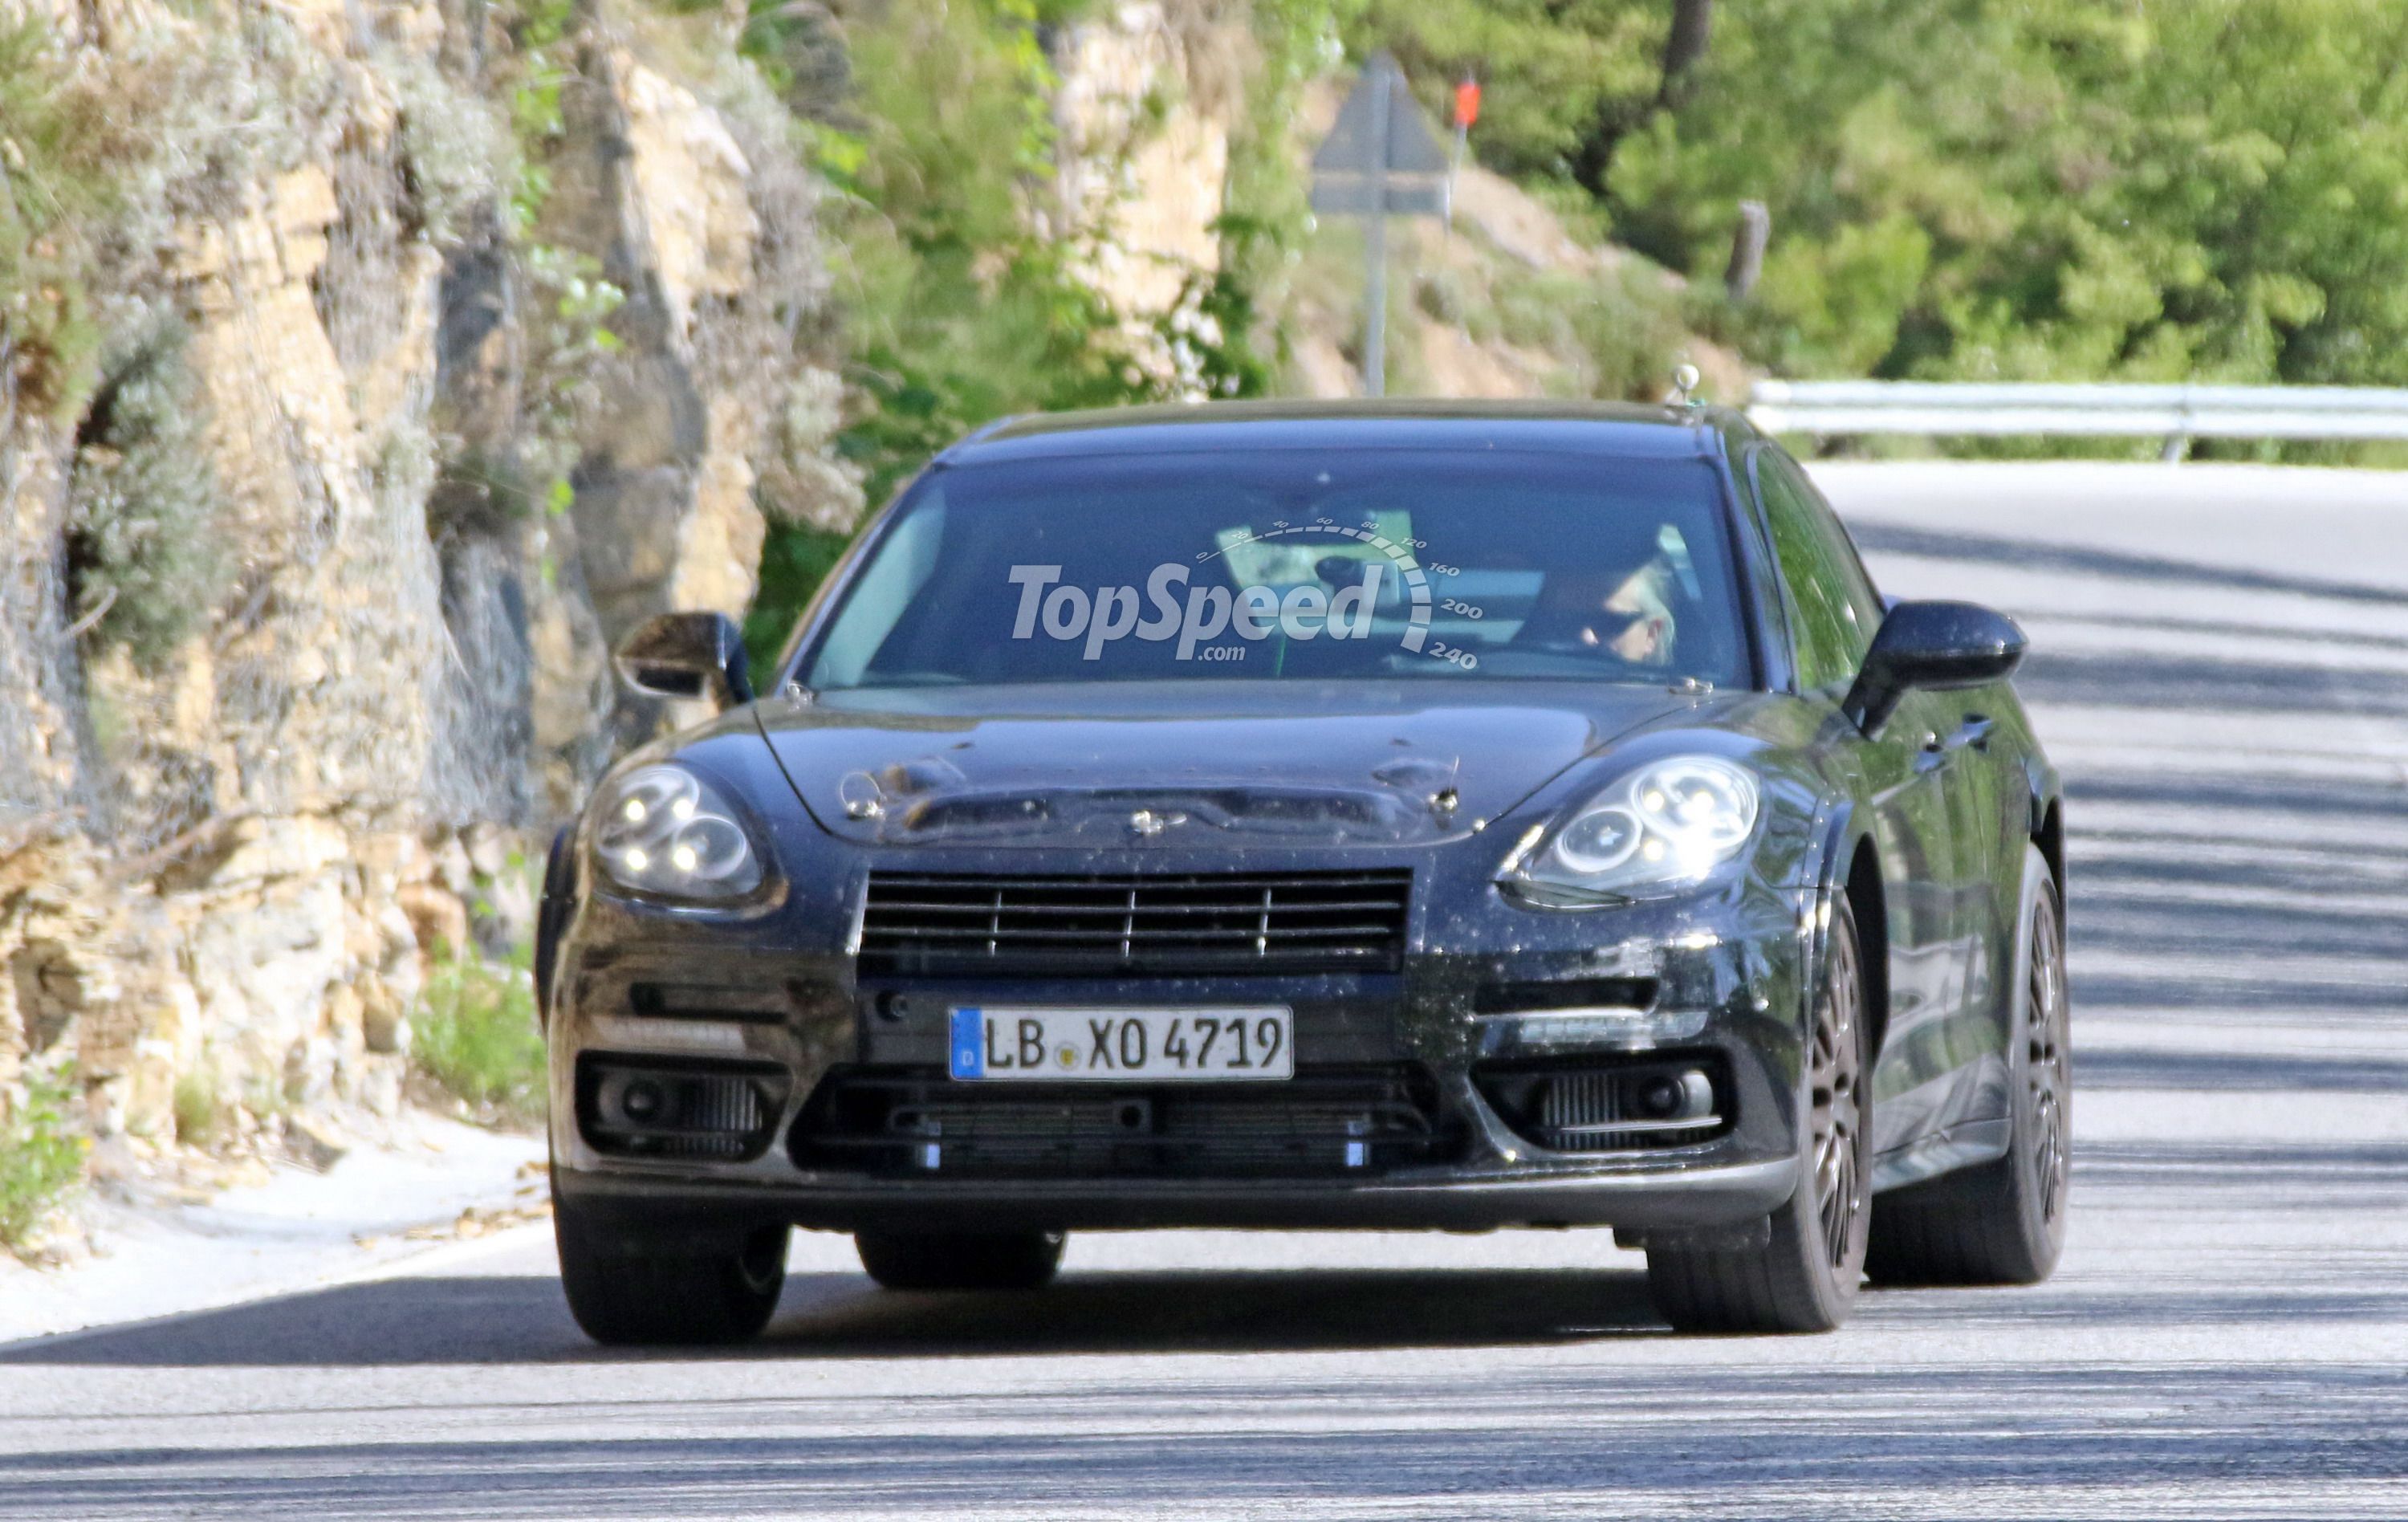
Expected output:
{"points": [[431, 487], [1150, 91]]}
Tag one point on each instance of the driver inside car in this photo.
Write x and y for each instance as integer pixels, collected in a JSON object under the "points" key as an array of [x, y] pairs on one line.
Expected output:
{"points": [[1626, 612]]}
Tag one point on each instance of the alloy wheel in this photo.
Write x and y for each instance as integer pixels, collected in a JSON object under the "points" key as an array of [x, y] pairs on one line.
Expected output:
{"points": [[2048, 1066], [1837, 1110]]}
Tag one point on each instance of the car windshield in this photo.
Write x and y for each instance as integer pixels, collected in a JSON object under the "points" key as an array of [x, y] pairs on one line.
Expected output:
{"points": [[1293, 565]]}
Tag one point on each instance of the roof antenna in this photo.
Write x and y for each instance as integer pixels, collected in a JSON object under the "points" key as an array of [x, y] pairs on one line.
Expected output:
{"points": [[1684, 385]]}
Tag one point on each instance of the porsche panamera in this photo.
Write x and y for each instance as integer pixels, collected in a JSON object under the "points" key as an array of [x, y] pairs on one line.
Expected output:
{"points": [[1402, 816]]}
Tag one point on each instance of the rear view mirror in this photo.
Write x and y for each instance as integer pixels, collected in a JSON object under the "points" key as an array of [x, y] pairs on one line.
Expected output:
{"points": [[689, 656], [1935, 646]]}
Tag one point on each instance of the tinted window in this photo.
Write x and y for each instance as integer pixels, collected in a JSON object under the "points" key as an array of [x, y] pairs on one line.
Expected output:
{"points": [[1295, 564], [1837, 607], [1856, 582]]}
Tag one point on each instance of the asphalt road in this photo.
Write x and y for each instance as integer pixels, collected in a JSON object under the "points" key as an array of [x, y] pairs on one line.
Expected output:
{"points": [[2219, 669]]}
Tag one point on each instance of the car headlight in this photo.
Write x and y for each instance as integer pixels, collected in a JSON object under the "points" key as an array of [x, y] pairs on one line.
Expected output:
{"points": [[663, 830], [1664, 826]]}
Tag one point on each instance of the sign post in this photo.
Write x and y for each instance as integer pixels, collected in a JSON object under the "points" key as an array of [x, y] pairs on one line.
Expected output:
{"points": [[1380, 160], [1467, 113]]}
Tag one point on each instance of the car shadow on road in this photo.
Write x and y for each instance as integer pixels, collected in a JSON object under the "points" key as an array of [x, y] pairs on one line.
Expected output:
{"points": [[519, 1319]]}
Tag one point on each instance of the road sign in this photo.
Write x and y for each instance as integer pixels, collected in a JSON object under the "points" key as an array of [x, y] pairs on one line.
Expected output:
{"points": [[1380, 159], [1381, 152], [1379, 127]]}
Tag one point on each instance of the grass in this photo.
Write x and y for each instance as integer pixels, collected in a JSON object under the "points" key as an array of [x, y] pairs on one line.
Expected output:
{"points": [[201, 1119], [40, 1160], [475, 1035]]}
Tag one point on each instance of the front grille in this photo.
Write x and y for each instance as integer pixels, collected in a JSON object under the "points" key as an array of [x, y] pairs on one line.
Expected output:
{"points": [[937, 925], [1614, 1104], [1337, 1121]]}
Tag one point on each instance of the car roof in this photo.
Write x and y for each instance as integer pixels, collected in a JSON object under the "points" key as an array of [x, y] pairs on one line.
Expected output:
{"points": [[1626, 430]]}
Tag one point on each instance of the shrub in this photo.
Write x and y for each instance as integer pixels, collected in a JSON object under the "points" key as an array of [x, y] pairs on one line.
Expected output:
{"points": [[41, 1160], [145, 561], [959, 306], [475, 1035], [200, 1111], [52, 183]]}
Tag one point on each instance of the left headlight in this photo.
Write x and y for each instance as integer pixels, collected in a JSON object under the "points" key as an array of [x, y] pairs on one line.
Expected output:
{"points": [[1667, 825], [664, 831]]}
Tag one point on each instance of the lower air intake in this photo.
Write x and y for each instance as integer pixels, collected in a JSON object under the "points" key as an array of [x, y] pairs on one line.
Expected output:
{"points": [[1615, 1105], [1332, 1121], [658, 1107]]}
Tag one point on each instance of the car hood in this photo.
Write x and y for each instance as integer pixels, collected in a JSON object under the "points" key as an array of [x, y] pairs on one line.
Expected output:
{"points": [[1191, 762]]}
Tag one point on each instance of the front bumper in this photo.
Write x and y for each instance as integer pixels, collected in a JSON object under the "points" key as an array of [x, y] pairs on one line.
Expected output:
{"points": [[1722, 976]]}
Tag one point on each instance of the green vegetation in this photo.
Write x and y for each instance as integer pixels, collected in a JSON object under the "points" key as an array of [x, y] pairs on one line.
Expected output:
{"points": [[41, 1159], [145, 563], [795, 560], [960, 300], [959, 309], [1978, 189], [201, 1115], [1564, 84], [62, 159], [475, 1035], [1265, 215]]}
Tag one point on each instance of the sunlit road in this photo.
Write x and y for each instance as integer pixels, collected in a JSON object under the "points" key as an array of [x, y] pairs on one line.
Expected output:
{"points": [[2222, 672]]}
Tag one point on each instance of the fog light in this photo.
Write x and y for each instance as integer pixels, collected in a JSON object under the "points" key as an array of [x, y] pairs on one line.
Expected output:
{"points": [[642, 1101], [1660, 1097], [1683, 1094]]}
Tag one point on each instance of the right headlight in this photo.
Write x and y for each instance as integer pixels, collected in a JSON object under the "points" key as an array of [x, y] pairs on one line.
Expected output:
{"points": [[1666, 826], [664, 831]]}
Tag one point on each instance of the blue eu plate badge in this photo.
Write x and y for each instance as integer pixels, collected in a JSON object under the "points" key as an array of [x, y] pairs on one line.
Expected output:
{"points": [[968, 1044]]}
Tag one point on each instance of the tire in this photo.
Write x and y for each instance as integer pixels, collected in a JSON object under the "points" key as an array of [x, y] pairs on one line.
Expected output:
{"points": [[1805, 1278], [960, 1259], [2002, 1223], [630, 1298]]}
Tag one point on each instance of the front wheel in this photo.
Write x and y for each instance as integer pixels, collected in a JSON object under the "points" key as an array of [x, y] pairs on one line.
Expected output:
{"points": [[623, 1292], [1805, 1278], [2002, 1223], [960, 1259]]}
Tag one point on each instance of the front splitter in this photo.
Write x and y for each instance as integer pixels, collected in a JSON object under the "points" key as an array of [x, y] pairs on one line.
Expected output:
{"points": [[1708, 1196]]}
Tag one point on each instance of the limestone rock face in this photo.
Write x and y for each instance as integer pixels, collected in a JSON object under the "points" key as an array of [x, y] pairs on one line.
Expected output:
{"points": [[1149, 91], [229, 850], [687, 177], [657, 191]]}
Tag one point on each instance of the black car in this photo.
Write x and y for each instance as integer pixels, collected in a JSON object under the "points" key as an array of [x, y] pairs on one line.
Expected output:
{"points": [[1354, 815]]}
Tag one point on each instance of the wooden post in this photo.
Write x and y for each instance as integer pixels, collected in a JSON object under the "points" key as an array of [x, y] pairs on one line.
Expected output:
{"points": [[1748, 240]]}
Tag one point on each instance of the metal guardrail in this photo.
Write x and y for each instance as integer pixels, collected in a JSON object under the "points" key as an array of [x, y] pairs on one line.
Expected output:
{"points": [[2177, 414]]}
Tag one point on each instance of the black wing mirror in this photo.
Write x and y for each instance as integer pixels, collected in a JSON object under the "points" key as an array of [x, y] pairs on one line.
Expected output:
{"points": [[687, 655], [1935, 646]]}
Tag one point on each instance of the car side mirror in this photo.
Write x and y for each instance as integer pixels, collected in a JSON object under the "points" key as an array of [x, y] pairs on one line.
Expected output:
{"points": [[1936, 646], [689, 656]]}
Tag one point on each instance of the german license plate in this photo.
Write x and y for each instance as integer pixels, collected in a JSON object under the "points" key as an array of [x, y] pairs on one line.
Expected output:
{"points": [[1054, 1043]]}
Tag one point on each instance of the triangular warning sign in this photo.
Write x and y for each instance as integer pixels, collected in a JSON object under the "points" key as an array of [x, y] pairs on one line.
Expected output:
{"points": [[1356, 143]]}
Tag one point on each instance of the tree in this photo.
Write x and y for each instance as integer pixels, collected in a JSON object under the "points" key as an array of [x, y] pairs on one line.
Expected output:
{"points": [[1684, 48], [1979, 188]]}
